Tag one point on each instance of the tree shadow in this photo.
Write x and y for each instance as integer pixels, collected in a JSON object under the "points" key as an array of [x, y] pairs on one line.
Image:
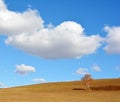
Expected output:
{"points": [[78, 89], [104, 88], [107, 88]]}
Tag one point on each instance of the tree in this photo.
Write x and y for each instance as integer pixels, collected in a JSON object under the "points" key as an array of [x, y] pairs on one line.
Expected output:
{"points": [[87, 80]]}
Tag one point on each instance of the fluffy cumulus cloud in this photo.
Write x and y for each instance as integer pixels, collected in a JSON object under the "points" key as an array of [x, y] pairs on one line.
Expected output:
{"points": [[2, 84], [39, 80], [113, 39], [2, 5], [27, 32], [82, 71], [24, 69], [96, 68], [16, 22], [67, 40]]}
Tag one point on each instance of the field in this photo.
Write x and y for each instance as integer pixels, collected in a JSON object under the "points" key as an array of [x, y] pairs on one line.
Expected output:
{"points": [[102, 90]]}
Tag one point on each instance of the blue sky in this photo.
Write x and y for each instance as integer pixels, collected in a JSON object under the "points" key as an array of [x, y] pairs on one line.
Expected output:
{"points": [[58, 40]]}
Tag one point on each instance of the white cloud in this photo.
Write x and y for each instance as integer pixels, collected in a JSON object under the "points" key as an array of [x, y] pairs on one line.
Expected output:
{"points": [[39, 80], [82, 71], [16, 22], [112, 40], [2, 84], [2, 5], [27, 32], [67, 40], [24, 69], [96, 68]]}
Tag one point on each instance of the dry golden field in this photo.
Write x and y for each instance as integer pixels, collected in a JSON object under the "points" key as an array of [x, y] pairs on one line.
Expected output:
{"points": [[104, 90]]}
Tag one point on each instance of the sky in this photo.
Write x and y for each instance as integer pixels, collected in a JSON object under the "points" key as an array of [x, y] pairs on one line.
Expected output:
{"points": [[58, 40]]}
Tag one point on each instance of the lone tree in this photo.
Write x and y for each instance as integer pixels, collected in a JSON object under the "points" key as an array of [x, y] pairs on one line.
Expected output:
{"points": [[87, 80]]}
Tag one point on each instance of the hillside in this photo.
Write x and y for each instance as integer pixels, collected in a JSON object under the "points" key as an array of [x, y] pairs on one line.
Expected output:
{"points": [[103, 90]]}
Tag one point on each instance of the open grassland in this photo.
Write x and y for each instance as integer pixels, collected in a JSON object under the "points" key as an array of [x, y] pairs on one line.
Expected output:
{"points": [[104, 90]]}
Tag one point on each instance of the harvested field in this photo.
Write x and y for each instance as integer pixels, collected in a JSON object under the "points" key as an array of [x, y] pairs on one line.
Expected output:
{"points": [[104, 90]]}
